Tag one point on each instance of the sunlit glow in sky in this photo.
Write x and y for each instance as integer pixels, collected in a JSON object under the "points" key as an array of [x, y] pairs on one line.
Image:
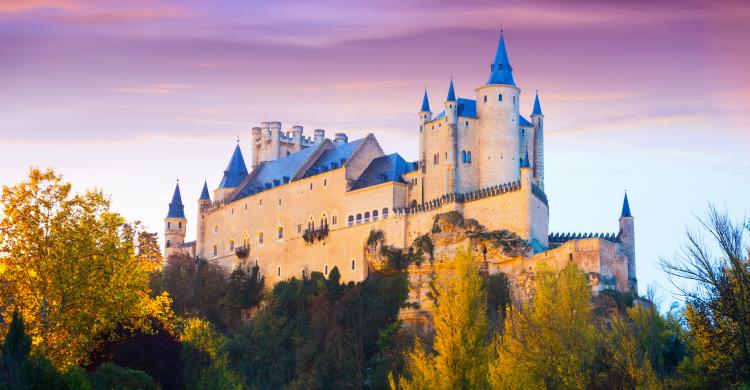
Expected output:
{"points": [[649, 97]]}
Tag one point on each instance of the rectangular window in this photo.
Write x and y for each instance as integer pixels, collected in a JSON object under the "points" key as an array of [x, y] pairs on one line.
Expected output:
{"points": [[334, 219], [500, 97], [485, 98], [299, 228]]}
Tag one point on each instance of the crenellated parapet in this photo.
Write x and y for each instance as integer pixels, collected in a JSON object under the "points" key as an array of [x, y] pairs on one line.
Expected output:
{"points": [[559, 238], [460, 198]]}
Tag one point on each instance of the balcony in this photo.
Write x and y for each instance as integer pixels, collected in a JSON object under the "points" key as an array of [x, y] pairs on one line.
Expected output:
{"points": [[312, 235]]}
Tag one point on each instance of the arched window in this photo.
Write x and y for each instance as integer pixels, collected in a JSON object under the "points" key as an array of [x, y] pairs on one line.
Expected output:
{"points": [[324, 220], [245, 240], [374, 215], [468, 157], [350, 220], [385, 212], [325, 270], [278, 271], [352, 264], [463, 156], [169, 244], [414, 203], [231, 245], [334, 219], [485, 98], [260, 238], [500, 97], [216, 250], [179, 225], [280, 233], [169, 225], [359, 219], [367, 216]]}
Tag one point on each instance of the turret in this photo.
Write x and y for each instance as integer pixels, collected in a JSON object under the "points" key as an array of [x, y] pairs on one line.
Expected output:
{"points": [[204, 202], [297, 138], [234, 174], [340, 139], [526, 171], [537, 119], [451, 109], [319, 135], [255, 138], [275, 128], [175, 225], [425, 115], [627, 242], [265, 142], [497, 109]]}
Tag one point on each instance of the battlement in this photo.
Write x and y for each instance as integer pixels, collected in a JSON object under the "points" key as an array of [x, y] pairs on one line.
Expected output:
{"points": [[559, 238], [270, 143], [460, 198]]}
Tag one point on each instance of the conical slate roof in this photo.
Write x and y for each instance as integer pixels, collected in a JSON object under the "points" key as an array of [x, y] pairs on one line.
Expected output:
{"points": [[451, 93], [204, 193], [500, 71], [425, 103], [625, 207], [176, 208], [236, 170], [537, 107]]}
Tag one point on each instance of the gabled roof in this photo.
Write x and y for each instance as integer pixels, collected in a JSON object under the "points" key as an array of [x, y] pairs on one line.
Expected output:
{"points": [[451, 93], [383, 169], [176, 208], [236, 170], [537, 107], [282, 171], [425, 103], [500, 71], [625, 208], [204, 193]]}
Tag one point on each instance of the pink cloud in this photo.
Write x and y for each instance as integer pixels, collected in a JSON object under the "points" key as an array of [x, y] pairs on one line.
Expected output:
{"points": [[155, 89]]}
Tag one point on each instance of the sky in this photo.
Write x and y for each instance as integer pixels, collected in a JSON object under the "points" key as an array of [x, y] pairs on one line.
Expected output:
{"points": [[652, 97]]}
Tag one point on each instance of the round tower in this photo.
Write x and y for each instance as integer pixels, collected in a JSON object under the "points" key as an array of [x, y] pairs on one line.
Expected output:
{"points": [[451, 119], [175, 225], [297, 137], [537, 119], [425, 115], [255, 143], [627, 242], [275, 140], [451, 106], [265, 142], [497, 110], [319, 135], [204, 202]]}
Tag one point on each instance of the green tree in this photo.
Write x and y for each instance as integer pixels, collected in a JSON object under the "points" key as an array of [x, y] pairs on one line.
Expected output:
{"points": [[461, 349], [69, 265], [718, 306], [205, 358], [550, 341]]}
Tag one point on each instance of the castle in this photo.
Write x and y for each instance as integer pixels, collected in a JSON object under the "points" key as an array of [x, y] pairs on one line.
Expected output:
{"points": [[309, 204]]}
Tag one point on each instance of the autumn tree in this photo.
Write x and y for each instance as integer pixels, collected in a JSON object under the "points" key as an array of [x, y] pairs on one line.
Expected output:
{"points": [[717, 302], [459, 360], [548, 342], [70, 265]]}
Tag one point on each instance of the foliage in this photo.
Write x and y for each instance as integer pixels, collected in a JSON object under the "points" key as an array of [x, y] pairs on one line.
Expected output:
{"points": [[319, 333], [718, 309], [206, 362], [550, 341], [69, 265], [498, 289], [460, 320], [111, 376], [155, 351]]}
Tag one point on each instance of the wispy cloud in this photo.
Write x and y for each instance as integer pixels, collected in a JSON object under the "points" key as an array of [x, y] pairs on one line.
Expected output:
{"points": [[588, 97], [155, 89], [359, 85]]}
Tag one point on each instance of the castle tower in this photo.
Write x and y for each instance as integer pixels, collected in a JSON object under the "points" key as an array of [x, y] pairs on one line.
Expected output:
{"points": [[319, 135], [497, 109], [175, 224], [203, 203], [627, 242], [234, 174], [255, 143], [275, 128], [297, 138], [451, 118], [537, 119], [425, 115]]}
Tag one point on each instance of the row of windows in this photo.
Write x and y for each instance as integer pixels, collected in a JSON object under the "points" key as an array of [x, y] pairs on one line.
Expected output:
{"points": [[366, 217], [169, 225], [500, 98]]}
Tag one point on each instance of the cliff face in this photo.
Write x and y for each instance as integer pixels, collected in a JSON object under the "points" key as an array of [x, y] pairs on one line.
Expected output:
{"points": [[430, 255]]}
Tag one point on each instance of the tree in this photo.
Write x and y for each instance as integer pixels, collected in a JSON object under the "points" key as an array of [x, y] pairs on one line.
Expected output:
{"points": [[550, 341], [69, 265], [460, 319], [718, 307], [205, 358]]}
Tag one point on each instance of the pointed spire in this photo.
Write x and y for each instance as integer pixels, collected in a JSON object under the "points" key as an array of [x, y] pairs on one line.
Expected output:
{"points": [[525, 160], [425, 103], [204, 193], [236, 170], [500, 71], [176, 208], [625, 207], [451, 93], [537, 107]]}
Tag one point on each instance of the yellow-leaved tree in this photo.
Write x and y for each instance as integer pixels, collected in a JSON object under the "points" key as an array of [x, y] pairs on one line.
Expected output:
{"points": [[72, 267], [461, 345], [550, 341]]}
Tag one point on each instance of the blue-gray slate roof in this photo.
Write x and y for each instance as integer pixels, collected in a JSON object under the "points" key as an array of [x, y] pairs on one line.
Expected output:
{"points": [[236, 170], [176, 208], [451, 93], [500, 71], [525, 160], [625, 207], [204, 193], [425, 103], [537, 107], [279, 172], [383, 169], [523, 121]]}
